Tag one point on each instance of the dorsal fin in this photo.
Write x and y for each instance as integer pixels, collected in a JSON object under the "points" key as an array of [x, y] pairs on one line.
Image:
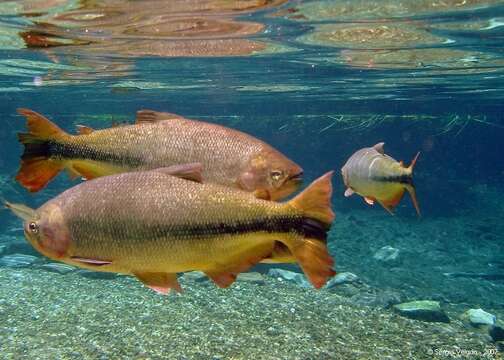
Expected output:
{"points": [[379, 147], [190, 171], [151, 116], [84, 130]]}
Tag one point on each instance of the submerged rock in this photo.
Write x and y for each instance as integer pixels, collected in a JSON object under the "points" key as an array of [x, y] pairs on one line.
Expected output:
{"points": [[425, 310], [383, 299], [289, 276], [497, 333], [251, 277], [478, 317], [58, 268], [387, 254], [342, 278], [18, 260]]}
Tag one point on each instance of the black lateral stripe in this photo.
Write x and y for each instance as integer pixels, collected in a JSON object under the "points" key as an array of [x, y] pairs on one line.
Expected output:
{"points": [[307, 227], [403, 179], [83, 152]]}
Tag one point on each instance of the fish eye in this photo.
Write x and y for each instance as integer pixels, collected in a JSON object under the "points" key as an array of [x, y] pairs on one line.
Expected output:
{"points": [[276, 175], [34, 228]]}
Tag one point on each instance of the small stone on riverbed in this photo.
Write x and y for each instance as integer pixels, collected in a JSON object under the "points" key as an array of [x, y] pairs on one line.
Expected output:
{"points": [[424, 310]]}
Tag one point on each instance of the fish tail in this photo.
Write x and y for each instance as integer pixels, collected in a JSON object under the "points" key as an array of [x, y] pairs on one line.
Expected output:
{"points": [[311, 252], [315, 200], [37, 167], [413, 163], [410, 187]]}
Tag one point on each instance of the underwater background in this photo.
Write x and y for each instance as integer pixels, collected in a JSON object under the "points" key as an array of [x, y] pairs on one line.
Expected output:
{"points": [[317, 80]]}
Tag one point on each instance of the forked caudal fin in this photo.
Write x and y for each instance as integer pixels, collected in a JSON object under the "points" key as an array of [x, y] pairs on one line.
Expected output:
{"points": [[37, 169], [311, 252]]}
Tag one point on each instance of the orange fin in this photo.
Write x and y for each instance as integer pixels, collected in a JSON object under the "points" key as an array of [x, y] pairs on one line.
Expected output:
{"points": [[412, 192], [161, 283], [151, 116], [226, 275], [222, 279], [313, 257], [280, 255], [37, 169], [39, 127], [315, 200], [35, 173], [72, 173], [190, 171], [85, 172], [390, 204], [387, 207], [369, 201], [262, 194], [413, 162], [84, 130]]}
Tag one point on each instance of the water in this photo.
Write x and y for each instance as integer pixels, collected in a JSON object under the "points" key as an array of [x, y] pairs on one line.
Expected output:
{"points": [[332, 78]]}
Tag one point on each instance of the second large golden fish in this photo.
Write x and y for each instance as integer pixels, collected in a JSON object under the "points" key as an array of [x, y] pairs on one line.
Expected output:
{"points": [[154, 225], [228, 157]]}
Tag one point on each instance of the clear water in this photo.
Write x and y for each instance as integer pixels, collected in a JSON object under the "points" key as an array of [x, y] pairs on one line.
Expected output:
{"points": [[333, 77]]}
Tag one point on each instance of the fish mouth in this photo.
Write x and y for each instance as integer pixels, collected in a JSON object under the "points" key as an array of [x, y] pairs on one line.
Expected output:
{"points": [[296, 177]]}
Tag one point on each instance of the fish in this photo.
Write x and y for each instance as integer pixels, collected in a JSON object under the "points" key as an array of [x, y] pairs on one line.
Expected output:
{"points": [[155, 224], [378, 177], [228, 157]]}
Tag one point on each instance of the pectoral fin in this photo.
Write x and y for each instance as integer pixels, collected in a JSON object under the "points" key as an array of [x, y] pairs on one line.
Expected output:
{"points": [[84, 130], [349, 192], [369, 201], [161, 283], [185, 171], [262, 194], [89, 261]]}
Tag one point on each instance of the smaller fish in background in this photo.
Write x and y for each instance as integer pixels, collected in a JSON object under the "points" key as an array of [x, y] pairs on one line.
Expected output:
{"points": [[379, 178]]}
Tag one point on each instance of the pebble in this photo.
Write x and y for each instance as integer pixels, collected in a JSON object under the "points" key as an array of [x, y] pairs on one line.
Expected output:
{"points": [[196, 276], [18, 260], [342, 278], [290, 276], [478, 317], [58, 268], [251, 277], [387, 254], [424, 310]]}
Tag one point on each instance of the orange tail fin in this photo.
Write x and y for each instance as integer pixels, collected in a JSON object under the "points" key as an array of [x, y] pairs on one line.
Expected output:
{"points": [[311, 253], [37, 167], [411, 187]]}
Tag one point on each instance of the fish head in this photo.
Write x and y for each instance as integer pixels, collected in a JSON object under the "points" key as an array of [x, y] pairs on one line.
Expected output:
{"points": [[272, 173], [44, 228]]}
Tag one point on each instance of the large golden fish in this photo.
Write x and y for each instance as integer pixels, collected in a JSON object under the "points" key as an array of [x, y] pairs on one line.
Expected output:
{"points": [[154, 225], [378, 177], [228, 157]]}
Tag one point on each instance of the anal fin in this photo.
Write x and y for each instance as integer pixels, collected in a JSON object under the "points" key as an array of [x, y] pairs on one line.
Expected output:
{"points": [[161, 283], [223, 276]]}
